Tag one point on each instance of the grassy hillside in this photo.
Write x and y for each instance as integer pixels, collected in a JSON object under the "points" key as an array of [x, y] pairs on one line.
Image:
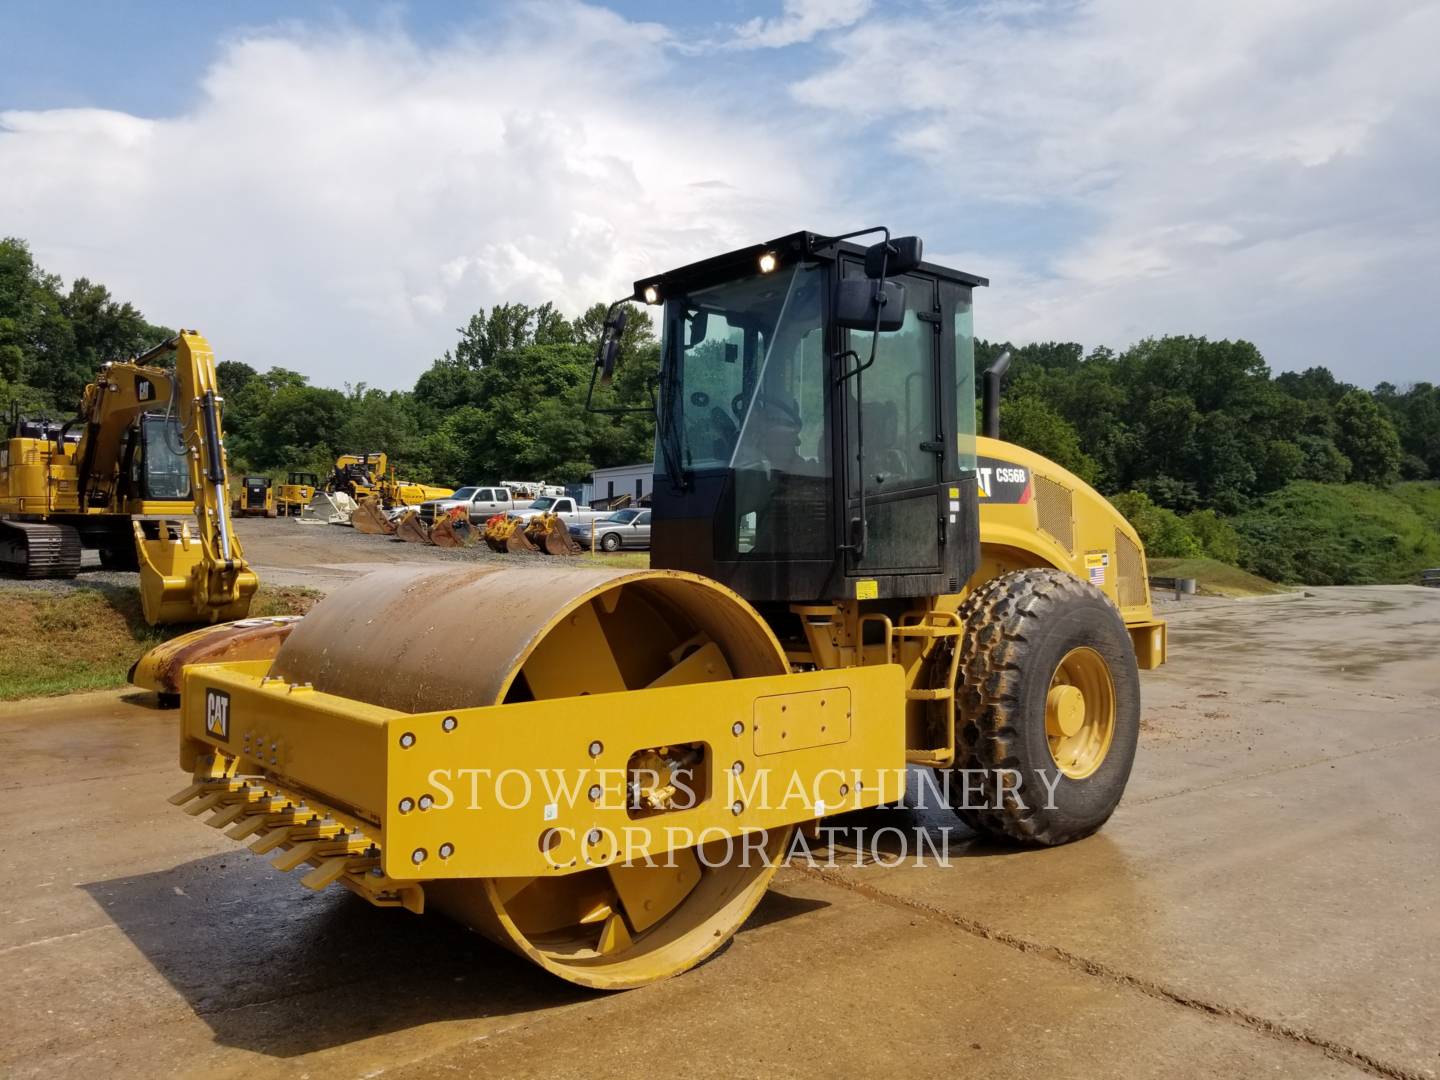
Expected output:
{"points": [[1215, 578], [1342, 534], [87, 638]]}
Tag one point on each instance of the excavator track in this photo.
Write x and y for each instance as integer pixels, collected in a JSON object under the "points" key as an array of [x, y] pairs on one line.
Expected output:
{"points": [[33, 549]]}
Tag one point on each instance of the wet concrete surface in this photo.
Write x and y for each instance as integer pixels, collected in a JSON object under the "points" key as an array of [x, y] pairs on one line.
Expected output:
{"points": [[1265, 902]]}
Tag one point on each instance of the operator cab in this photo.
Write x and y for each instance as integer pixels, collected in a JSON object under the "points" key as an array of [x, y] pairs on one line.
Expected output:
{"points": [[799, 455]]}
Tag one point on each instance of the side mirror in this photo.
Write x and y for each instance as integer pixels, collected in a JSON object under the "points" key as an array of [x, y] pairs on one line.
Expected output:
{"points": [[900, 255], [609, 350], [699, 325], [855, 307]]}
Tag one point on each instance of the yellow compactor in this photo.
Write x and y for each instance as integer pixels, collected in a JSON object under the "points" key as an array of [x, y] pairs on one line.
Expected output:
{"points": [[145, 452], [601, 769]]}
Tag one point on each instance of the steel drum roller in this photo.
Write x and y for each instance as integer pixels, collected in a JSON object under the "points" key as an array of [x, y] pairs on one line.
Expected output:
{"points": [[456, 638]]}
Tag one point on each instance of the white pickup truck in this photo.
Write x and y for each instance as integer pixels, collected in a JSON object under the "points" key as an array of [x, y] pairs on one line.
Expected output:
{"points": [[563, 506]]}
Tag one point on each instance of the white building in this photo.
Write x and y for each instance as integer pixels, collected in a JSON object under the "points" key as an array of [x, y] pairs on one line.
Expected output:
{"points": [[633, 480]]}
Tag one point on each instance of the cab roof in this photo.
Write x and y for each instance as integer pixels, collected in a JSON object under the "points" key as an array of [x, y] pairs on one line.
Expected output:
{"points": [[798, 245]]}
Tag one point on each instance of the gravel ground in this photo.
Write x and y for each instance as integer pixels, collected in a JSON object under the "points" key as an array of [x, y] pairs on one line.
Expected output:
{"points": [[323, 557], [92, 576], [284, 552]]}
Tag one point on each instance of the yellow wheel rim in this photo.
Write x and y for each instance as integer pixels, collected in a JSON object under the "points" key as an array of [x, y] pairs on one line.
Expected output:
{"points": [[1080, 713]]}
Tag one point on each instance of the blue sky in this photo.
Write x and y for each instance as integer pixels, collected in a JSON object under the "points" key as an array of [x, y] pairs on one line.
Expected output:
{"points": [[355, 179]]}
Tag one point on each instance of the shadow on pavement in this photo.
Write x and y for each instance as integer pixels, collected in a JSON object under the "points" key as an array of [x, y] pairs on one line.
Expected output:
{"points": [[277, 969]]}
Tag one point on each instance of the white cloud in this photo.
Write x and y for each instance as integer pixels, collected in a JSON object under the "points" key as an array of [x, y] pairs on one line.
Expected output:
{"points": [[340, 202], [1267, 170], [799, 21]]}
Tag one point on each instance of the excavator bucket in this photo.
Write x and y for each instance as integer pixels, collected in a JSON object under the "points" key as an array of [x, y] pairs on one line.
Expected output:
{"points": [[550, 534], [175, 586], [411, 528], [161, 668], [506, 534], [518, 541], [559, 542], [453, 531], [369, 518]]}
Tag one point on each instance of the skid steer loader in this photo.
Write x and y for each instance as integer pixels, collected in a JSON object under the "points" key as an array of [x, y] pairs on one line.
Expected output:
{"points": [[601, 769]]}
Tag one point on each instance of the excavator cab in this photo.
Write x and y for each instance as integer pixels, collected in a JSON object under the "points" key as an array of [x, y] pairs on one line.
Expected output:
{"points": [[802, 455], [156, 466]]}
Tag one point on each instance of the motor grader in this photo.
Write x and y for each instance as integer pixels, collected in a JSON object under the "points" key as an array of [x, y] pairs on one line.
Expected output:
{"points": [[146, 449], [601, 769]]}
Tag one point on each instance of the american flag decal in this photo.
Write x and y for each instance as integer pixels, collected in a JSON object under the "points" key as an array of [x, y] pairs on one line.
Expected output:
{"points": [[1095, 564]]}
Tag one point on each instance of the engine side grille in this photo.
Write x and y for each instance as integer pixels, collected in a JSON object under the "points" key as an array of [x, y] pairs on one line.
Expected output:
{"points": [[1130, 572], [1055, 510]]}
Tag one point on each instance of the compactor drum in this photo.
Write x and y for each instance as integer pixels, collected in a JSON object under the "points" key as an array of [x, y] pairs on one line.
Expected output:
{"points": [[601, 769], [571, 886]]}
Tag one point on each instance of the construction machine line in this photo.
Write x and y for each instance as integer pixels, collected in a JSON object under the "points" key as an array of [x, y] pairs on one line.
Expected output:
{"points": [[600, 769], [370, 474], [145, 451]]}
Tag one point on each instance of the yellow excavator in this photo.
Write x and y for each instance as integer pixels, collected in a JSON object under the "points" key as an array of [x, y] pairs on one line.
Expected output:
{"points": [[601, 768], [146, 449]]}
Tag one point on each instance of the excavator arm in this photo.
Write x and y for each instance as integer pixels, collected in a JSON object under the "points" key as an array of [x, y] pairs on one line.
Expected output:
{"points": [[199, 577]]}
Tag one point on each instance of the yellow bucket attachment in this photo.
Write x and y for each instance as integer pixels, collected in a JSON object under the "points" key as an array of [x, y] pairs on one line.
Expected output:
{"points": [[174, 585], [411, 529], [369, 518], [453, 531], [163, 667]]}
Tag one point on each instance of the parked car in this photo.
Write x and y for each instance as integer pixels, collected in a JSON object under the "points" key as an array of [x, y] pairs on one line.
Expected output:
{"points": [[622, 529], [479, 502]]}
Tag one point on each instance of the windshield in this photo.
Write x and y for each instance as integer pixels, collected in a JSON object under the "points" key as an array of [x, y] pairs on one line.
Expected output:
{"points": [[745, 389], [542, 503], [744, 345], [167, 470], [623, 517]]}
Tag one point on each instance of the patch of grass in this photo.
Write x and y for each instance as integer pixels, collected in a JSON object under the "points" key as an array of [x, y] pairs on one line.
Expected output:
{"points": [[1214, 578], [1343, 534], [86, 638], [619, 560]]}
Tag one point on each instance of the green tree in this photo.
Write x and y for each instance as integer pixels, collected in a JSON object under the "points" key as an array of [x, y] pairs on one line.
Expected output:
{"points": [[1161, 530], [1365, 435], [1031, 423], [1215, 535]]}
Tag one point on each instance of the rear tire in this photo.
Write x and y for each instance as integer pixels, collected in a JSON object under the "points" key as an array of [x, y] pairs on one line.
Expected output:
{"points": [[1038, 645]]}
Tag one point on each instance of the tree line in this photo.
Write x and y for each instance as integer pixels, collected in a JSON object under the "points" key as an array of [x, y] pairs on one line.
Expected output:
{"points": [[1195, 440]]}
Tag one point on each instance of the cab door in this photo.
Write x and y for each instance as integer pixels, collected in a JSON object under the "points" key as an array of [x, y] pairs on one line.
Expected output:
{"points": [[899, 399]]}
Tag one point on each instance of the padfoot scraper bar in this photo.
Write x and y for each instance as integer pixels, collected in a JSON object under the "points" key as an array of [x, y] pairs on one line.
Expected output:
{"points": [[276, 821], [599, 770]]}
